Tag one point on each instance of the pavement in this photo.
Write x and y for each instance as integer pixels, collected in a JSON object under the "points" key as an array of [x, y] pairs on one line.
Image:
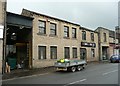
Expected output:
{"points": [[29, 72], [26, 72]]}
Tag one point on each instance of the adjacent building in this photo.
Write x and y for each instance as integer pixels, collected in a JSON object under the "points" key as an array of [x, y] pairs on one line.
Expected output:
{"points": [[108, 43], [2, 24]]}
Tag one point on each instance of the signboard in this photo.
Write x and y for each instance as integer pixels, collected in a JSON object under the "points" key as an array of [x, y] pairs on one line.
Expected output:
{"points": [[1, 31], [86, 44]]}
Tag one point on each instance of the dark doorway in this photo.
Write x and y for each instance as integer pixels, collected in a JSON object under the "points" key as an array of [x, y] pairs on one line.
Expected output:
{"points": [[19, 42], [104, 53], [83, 54]]}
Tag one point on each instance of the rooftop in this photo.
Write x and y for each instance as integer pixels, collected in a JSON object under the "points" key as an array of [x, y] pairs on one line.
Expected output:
{"points": [[50, 17]]}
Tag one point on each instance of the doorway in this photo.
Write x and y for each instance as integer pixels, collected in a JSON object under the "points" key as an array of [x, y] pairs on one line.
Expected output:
{"points": [[18, 43], [83, 54], [104, 53]]}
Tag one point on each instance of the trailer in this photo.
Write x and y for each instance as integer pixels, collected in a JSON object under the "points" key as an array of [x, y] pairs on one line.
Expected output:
{"points": [[70, 64]]}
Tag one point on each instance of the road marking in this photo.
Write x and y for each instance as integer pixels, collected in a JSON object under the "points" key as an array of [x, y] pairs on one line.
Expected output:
{"points": [[75, 82], [26, 77], [109, 72]]}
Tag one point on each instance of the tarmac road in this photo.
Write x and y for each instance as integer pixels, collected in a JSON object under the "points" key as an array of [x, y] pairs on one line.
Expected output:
{"points": [[94, 73]]}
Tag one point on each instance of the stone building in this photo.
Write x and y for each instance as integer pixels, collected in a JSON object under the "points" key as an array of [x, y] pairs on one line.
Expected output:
{"points": [[107, 43], [53, 38], [2, 23], [89, 44]]}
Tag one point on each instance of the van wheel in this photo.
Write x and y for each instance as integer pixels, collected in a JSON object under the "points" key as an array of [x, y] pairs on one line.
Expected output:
{"points": [[73, 69], [79, 68]]}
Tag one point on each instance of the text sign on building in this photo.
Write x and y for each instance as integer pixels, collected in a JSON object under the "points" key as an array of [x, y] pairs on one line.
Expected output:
{"points": [[1, 31], [86, 44]]}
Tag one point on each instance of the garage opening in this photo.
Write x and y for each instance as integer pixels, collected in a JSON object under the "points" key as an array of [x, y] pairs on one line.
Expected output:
{"points": [[19, 41]]}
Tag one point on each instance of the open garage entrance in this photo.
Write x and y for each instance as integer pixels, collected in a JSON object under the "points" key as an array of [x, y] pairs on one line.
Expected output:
{"points": [[19, 41]]}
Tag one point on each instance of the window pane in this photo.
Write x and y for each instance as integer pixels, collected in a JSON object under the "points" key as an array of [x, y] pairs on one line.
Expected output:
{"points": [[41, 23], [53, 52], [66, 31], [74, 52], [53, 28], [42, 28], [73, 32], [52, 32], [42, 52], [104, 37], [65, 34], [83, 35], [92, 36], [67, 52]]}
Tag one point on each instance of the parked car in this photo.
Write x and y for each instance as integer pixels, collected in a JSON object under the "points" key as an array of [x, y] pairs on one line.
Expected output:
{"points": [[115, 58]]}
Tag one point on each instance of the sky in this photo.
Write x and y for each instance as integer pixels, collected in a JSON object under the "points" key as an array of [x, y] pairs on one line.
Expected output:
{"points": [[87, 13]]}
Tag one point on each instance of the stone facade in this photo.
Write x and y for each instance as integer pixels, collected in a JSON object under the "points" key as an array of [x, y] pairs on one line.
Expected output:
{"points": [[2, 13], [107, 44], [58, 40], [103, 43], [88, 40]]}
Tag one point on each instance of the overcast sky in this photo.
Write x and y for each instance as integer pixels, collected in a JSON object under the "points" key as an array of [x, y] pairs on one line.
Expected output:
{"points": [[92, 14]]}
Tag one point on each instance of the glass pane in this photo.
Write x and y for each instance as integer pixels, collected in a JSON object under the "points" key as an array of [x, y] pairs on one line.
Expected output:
{"points": [[42, 52], [65, 29], [74, 52], [52, 26], [53, 52], [67, 54], [65, 34], [41, 24], [73, 30], [52, 32], [42, 30]]}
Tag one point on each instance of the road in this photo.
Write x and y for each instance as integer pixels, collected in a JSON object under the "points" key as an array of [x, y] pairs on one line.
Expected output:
{"points": [[95, 73]]}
